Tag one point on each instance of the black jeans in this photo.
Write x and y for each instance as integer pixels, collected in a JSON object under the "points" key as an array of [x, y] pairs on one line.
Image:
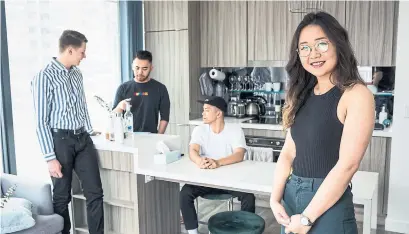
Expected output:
{"points": [[189, 193], [77, 152]]}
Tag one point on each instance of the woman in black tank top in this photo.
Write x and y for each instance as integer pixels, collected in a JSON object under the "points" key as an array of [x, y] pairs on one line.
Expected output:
{"points": [[329, 115]]}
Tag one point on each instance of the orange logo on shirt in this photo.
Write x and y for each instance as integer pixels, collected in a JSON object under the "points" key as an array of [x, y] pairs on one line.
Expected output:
{"points": [[141, 94]]}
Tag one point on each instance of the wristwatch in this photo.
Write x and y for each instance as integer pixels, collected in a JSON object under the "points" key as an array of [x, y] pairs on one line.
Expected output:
{"points": [[305, 220]]}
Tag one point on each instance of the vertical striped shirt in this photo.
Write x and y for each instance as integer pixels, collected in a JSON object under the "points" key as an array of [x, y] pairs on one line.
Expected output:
{"points": [[59, 102]]}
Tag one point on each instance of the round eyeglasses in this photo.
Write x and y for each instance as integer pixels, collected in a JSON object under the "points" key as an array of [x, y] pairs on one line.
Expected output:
{"points": [[320, 46]]}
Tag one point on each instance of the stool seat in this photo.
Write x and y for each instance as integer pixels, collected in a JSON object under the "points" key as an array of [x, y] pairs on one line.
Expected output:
{"points": [[236, 222], [222, 196]]}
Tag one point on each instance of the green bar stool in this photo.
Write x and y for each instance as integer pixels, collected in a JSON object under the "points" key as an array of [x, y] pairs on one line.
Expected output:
{"points": [[216, 197], [236, 222]]}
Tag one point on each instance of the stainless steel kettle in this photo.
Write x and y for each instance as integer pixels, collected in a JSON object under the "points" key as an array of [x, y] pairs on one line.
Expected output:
{"points": [[252, 109]]}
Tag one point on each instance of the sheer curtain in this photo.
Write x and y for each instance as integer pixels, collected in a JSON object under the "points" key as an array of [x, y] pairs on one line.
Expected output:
{"points": [[33, 29]]}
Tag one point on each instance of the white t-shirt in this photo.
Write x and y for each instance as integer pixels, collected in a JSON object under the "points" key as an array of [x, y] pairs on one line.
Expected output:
{"points": [[219, 145]]}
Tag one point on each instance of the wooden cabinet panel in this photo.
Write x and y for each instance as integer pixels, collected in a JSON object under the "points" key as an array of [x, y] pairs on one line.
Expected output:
{"points": [[381, 32], [270, 29], [176, 56], [335, 8], [223, 27], [171, 67], [357, 24], [165, 15], [371, 30], [375, 159]]}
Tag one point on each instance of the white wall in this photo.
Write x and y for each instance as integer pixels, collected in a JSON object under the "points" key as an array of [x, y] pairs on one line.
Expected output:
{"points": [[398, 202]]}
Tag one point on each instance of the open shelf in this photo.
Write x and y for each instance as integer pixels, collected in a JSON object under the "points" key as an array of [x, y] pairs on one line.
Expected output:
{"points": [[112, 202]]}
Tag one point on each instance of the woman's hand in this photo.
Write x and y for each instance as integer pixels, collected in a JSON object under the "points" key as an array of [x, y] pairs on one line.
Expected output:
{"points": [[296, 226], [279, 213]]}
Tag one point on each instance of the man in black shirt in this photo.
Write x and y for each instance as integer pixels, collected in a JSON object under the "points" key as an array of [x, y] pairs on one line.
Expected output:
{"points": [[149, 97]]}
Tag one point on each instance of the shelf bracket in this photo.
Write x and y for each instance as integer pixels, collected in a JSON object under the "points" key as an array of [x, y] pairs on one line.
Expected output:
{"points": [[149, 178]]}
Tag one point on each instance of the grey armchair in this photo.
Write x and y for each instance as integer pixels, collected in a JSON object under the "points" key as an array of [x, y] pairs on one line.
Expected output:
{"points": [[40, 195]]}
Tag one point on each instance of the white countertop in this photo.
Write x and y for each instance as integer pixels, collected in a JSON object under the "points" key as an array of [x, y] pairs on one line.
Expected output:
{"points": [[103, 144], [139, 144], [275, 127], [247, 176], [387, 132]]}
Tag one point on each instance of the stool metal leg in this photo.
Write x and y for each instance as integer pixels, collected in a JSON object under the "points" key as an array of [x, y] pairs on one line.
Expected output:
{"points": [[230, 204], [197, 205], [229, 208], [197, 212]]}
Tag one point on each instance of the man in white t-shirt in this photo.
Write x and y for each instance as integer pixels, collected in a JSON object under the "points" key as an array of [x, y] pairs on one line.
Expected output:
{"points": [[213, 144]]}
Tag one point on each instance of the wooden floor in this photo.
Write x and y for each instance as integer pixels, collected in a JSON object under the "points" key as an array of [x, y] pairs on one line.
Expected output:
{"points": [[208, 208]]}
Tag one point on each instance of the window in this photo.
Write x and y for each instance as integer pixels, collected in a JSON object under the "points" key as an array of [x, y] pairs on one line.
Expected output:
{"points": [[33, 29]]}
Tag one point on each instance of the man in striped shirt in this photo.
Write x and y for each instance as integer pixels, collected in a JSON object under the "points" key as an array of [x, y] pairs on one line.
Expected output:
{"points": [[64, 128]]}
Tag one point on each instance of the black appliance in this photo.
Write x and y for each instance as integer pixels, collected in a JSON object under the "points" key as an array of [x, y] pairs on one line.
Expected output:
{"points": [[275, 143]]}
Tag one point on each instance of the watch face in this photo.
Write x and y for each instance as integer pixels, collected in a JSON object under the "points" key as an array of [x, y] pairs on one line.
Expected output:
{"points": [[304, 221]]}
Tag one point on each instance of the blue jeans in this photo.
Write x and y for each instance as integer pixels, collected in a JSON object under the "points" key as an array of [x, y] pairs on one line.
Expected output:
{"points": [[339, 219]]}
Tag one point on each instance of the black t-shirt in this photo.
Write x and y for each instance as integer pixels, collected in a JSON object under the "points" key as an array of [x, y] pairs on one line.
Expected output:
{"points": [[147, 100]]}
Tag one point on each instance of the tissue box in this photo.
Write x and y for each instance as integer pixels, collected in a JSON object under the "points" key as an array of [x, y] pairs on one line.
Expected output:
{"points": [[167, 158]]}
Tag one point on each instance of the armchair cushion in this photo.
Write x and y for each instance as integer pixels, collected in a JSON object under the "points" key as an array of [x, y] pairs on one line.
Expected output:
{"points": [[16, 215], [18, 202], [38, 193], [45, 224]]}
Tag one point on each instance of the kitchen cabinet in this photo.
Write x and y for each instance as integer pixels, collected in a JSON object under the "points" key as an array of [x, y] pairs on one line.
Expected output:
{"points": [[171, 67], [371, 27], [270, 29], [165, 15], [223, 26], [376, 159], [176, 62], [335, 8], [120, 195], [271, 26], [370, 24]]}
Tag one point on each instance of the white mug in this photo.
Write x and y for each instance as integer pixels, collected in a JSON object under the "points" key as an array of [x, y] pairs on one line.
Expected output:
{"points": [[268, 86]]}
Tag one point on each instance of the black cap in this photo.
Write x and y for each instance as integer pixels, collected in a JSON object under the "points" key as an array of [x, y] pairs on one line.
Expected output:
{"points": [[215, 101]]}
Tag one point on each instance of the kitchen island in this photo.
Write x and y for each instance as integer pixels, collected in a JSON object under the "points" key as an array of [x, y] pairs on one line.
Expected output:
{"points": [[131, 206], [141, 197]]}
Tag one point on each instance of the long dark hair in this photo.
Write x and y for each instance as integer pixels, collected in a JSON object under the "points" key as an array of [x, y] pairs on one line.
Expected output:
{"points": [[302, 82]]}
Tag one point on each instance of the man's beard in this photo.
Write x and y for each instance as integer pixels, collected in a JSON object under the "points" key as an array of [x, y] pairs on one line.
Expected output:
{"points": [[142, 78]]}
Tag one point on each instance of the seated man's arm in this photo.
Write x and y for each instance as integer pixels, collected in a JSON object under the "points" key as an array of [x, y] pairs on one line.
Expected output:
{"points": [[194, 155], [194, 149], [235, 157], [239, 149]]}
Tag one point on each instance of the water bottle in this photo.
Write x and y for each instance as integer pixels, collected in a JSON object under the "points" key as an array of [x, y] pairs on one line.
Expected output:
{"points": [[128, 121], [119, 128], [110, 127]]}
